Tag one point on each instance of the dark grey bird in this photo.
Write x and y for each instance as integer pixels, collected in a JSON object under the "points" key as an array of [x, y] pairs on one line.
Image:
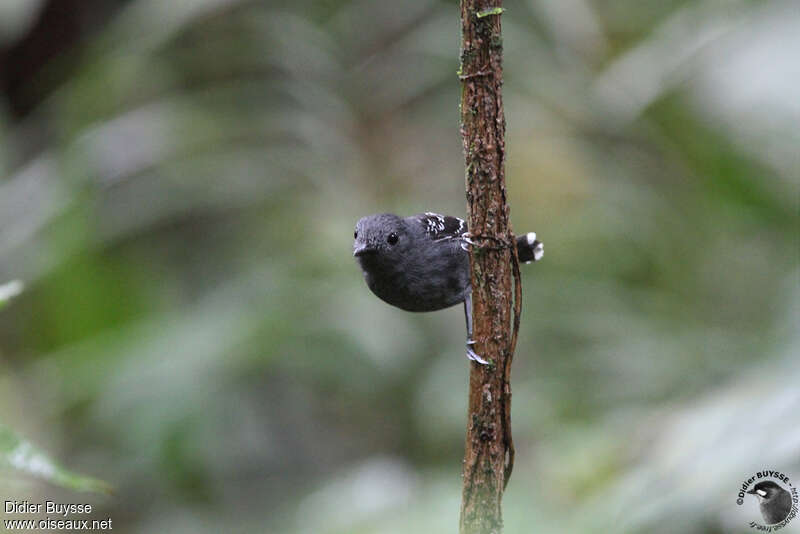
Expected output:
{"points": [[774, 501], [420, 263]]}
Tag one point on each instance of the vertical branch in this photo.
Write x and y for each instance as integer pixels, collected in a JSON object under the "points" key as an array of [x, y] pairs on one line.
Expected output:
{"points": [[489, 453]]}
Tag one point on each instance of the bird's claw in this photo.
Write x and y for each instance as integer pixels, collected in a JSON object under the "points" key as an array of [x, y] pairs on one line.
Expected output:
{"points": [[472, 355]]}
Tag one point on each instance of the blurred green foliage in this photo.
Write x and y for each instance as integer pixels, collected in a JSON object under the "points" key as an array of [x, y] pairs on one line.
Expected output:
{"points": [[18, 455], [181, 203]]}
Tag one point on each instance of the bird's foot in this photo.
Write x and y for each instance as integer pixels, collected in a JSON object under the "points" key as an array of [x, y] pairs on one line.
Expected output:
{"points": [[472, 355]]}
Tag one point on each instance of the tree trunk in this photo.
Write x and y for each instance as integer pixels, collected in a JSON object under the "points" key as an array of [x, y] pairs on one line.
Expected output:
{"points": [[489, 453]]}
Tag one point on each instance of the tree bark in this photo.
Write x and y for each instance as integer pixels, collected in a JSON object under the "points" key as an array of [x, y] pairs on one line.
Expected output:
{"points": [[489, 453]]}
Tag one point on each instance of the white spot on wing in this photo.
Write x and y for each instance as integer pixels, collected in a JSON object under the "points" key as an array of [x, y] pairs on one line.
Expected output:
{"points": [[538, 252], [435, 222]]}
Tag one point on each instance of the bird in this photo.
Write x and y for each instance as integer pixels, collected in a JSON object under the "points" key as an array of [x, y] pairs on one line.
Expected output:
{"points": [[420, 263], [774, 501]]}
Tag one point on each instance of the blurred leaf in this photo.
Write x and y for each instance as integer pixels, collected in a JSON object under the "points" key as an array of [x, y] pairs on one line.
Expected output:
{"points": [[22, 455], [10, 290]]}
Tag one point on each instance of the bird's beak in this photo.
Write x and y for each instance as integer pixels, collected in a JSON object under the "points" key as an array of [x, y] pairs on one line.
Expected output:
{"points": [[751, 492], [361, 250]]}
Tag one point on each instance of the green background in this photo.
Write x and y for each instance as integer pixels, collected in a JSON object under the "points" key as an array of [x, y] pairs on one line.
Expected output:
{"points": [[178, 191]]}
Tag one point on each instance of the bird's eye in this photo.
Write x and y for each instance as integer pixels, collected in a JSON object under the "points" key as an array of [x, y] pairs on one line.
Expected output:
{"points": [[392, 239], [355, 234]]}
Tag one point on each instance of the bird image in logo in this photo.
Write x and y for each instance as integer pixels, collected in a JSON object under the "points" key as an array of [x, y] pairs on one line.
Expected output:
{"points": [[777, 499], [774, 501]]}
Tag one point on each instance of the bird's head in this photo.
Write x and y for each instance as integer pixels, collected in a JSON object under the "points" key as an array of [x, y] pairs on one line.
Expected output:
{"points": [[379, 236], [766, 490]]}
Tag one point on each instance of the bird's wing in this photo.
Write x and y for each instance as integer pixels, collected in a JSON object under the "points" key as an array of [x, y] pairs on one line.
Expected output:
{"points": [[439, 227]]}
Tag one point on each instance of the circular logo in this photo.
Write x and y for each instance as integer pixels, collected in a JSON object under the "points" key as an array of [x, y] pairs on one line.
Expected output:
{"points": [[775, 496]]}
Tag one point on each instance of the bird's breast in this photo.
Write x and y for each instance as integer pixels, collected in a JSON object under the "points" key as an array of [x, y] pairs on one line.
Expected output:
{"points": [[426, 282]]}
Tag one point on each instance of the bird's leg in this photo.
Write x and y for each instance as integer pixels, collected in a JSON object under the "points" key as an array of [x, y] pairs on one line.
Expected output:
{"points": [[471, 354]]}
